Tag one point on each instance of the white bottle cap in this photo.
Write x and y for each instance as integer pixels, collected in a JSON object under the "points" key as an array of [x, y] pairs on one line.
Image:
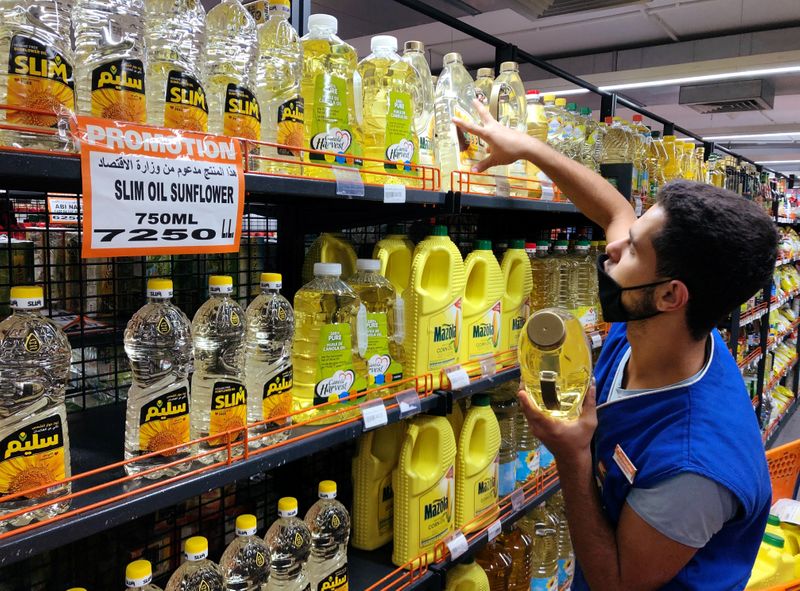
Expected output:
{"points": [[328, 269], [368, 265], [323, 21], [383, 42]]}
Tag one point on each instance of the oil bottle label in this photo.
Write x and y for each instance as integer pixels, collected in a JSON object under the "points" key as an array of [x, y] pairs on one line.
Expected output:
{"points": [[486, 486], [587, 315], [425, 139], [277, 394], [483, 336], [436, 511], [118, 91], [33, 456], [472, 147], [228, 410], [259, 10], [385, 505], [566, 570], [291, 131], [445, 337], [335, 375], [382, 368], [185, 104], [543, 584], [330, 125], [546, 458], [338, 580], [38, 78], [401, 146], [507, 478], [164, 422], [242, 116], [528, 463], [516, 322]]}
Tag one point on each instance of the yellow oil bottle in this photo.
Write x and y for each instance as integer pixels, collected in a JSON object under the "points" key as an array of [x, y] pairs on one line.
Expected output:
{"points": [[330, 248], [424, 489], [518, 282], [395, 252], [773, 565], [467, 576], [482, 303], [672, 168]]}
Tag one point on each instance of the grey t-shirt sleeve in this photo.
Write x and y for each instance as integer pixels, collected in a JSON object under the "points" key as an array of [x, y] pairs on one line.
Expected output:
{"points": [[687, 508]]}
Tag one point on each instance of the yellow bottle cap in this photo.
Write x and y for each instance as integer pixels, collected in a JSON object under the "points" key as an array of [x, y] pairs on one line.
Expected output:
{"points": [[280, 2], [138, 573], [77, 589], [549, 98], [159, 284], [246, 525], [196, 548], [561, 102], [271, 278], [220, 280], [327, 489], [27, 297], [287, 507]]}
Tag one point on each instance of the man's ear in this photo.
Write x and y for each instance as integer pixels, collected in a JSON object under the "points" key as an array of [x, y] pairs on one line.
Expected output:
{"points": [[672, 296]]}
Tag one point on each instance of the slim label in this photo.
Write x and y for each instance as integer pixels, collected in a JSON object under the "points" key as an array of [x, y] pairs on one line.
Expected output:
{"points": [[242, 115], [118, 91], [291, 131], [277, 394], [164, 422], [33, 456], [228, 410], [185, 104]]}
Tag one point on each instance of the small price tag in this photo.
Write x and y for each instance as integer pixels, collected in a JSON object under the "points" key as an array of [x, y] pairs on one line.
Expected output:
{"points": [[597, 340], [488, 367], [457, 545], [394, 193], [409, 403], [517, 499], [637, 206], [494, 530], [502, 187], [458, 376], [374, 414], [348, 181]]}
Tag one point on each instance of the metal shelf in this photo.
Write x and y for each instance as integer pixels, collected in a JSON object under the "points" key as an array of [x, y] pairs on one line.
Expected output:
{"points": [[513, 204], [368, 568]]}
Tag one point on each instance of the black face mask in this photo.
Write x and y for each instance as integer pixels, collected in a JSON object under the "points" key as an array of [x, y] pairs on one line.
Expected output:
{"points": [[611, 295]]}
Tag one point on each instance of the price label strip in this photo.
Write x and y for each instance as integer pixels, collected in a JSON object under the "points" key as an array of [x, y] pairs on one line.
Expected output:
{"points": [[457, 545], [348, 181], [488, 367], [409, 403], [597, 340], [502, 187], [155, 191], [517, 499], [374, 414], [458, 376], [394, 193], [494, 530]]}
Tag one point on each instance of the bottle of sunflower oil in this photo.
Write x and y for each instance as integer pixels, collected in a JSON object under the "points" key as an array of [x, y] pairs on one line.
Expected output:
{"points": [[555, 362], [219, 397], [175, 35], [616, 147], [158, 342], [245, 562], [422, 99], [482, 303], [496, 563], [38, 73], [424, 488], [484, 80], [289, 543], [385, 353], [585, 285], [477, 465], [34, 443], [395, 252], [467, 576], [329, 248], [109, 45], [555, 122], [388, 129], [535, 126], [279, 66], [545, 278], [458, 150], [672, 161], [230, 72], [542, 527], [198, 572], [519, 546], [329, 524], [508, 104], [505, 407], [592, 147], [330, 344], [328, 89], [516, 303]]}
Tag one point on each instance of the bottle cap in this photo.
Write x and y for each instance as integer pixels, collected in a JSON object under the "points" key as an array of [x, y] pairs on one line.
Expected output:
{"points": [[482, 245], [439, 231], [561, 102], [572, 106], [774, 540], [773, 520], [246, 525], [530, 247], [546, 330], [481, 400], [196, 548], [287, 507], [609, 120], [328, 269], [220, 284], [543, 244], [383, 42], [77, 589], [655, 135], [452, 58], [532, 91], [368, 265], [327, 489], [323, 21], [159, 288], [271, 281], [413, 46], [29, 297], [138, 573], [485, 73], [549, 98], [617, 119], [586, 111], [509, 67], [517, 244], [280, 7], [637, 118]]}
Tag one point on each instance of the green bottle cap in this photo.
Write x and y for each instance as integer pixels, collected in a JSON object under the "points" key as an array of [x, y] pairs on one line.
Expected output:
{"points": [[439, 231], [773, 520], [572, 106], [773, 540], [481, 400], [562, 242], [482, 245], [586, 111], [516, 244], [542, 243], [655, 134], [583, 243]]}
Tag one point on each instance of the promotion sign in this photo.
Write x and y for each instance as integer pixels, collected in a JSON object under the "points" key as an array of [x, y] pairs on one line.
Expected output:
{"points": [[153, 191]]}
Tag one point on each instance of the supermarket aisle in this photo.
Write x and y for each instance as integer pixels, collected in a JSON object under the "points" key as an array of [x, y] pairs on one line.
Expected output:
{"points": [[790, 432]]}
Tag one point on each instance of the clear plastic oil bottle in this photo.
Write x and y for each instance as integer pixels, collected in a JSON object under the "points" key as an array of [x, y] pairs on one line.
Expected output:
{"points": [[555, 362], [198, 572], [566, 558], [328, 89], [219, 397], [289, 543], [484, 80], [542, 527], [109, 46], [554, 114], [245, 562], [34, 441], [563, 269], [496, 562], [38, 73], [139, 576], [268, 359], [508, 104], [233, 109], [505, 407], [616, 147], [158, 342], [422, 94], [585, 285], [329, 524], [519, 546], [592, 148], [545, 284], [388, 129], [329, 345], [175, 35]]}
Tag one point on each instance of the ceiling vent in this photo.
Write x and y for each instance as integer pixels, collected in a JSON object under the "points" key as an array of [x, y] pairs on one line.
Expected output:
{"points": [[728, 97], [560, 7]]}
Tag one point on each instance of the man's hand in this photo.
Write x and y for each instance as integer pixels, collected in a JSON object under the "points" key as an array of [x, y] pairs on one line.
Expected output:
{"points": [[504, 145], [567, 440]]}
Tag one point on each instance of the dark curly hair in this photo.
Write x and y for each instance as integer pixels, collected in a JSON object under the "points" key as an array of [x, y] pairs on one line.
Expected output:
{"points": [[722, 246]]}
